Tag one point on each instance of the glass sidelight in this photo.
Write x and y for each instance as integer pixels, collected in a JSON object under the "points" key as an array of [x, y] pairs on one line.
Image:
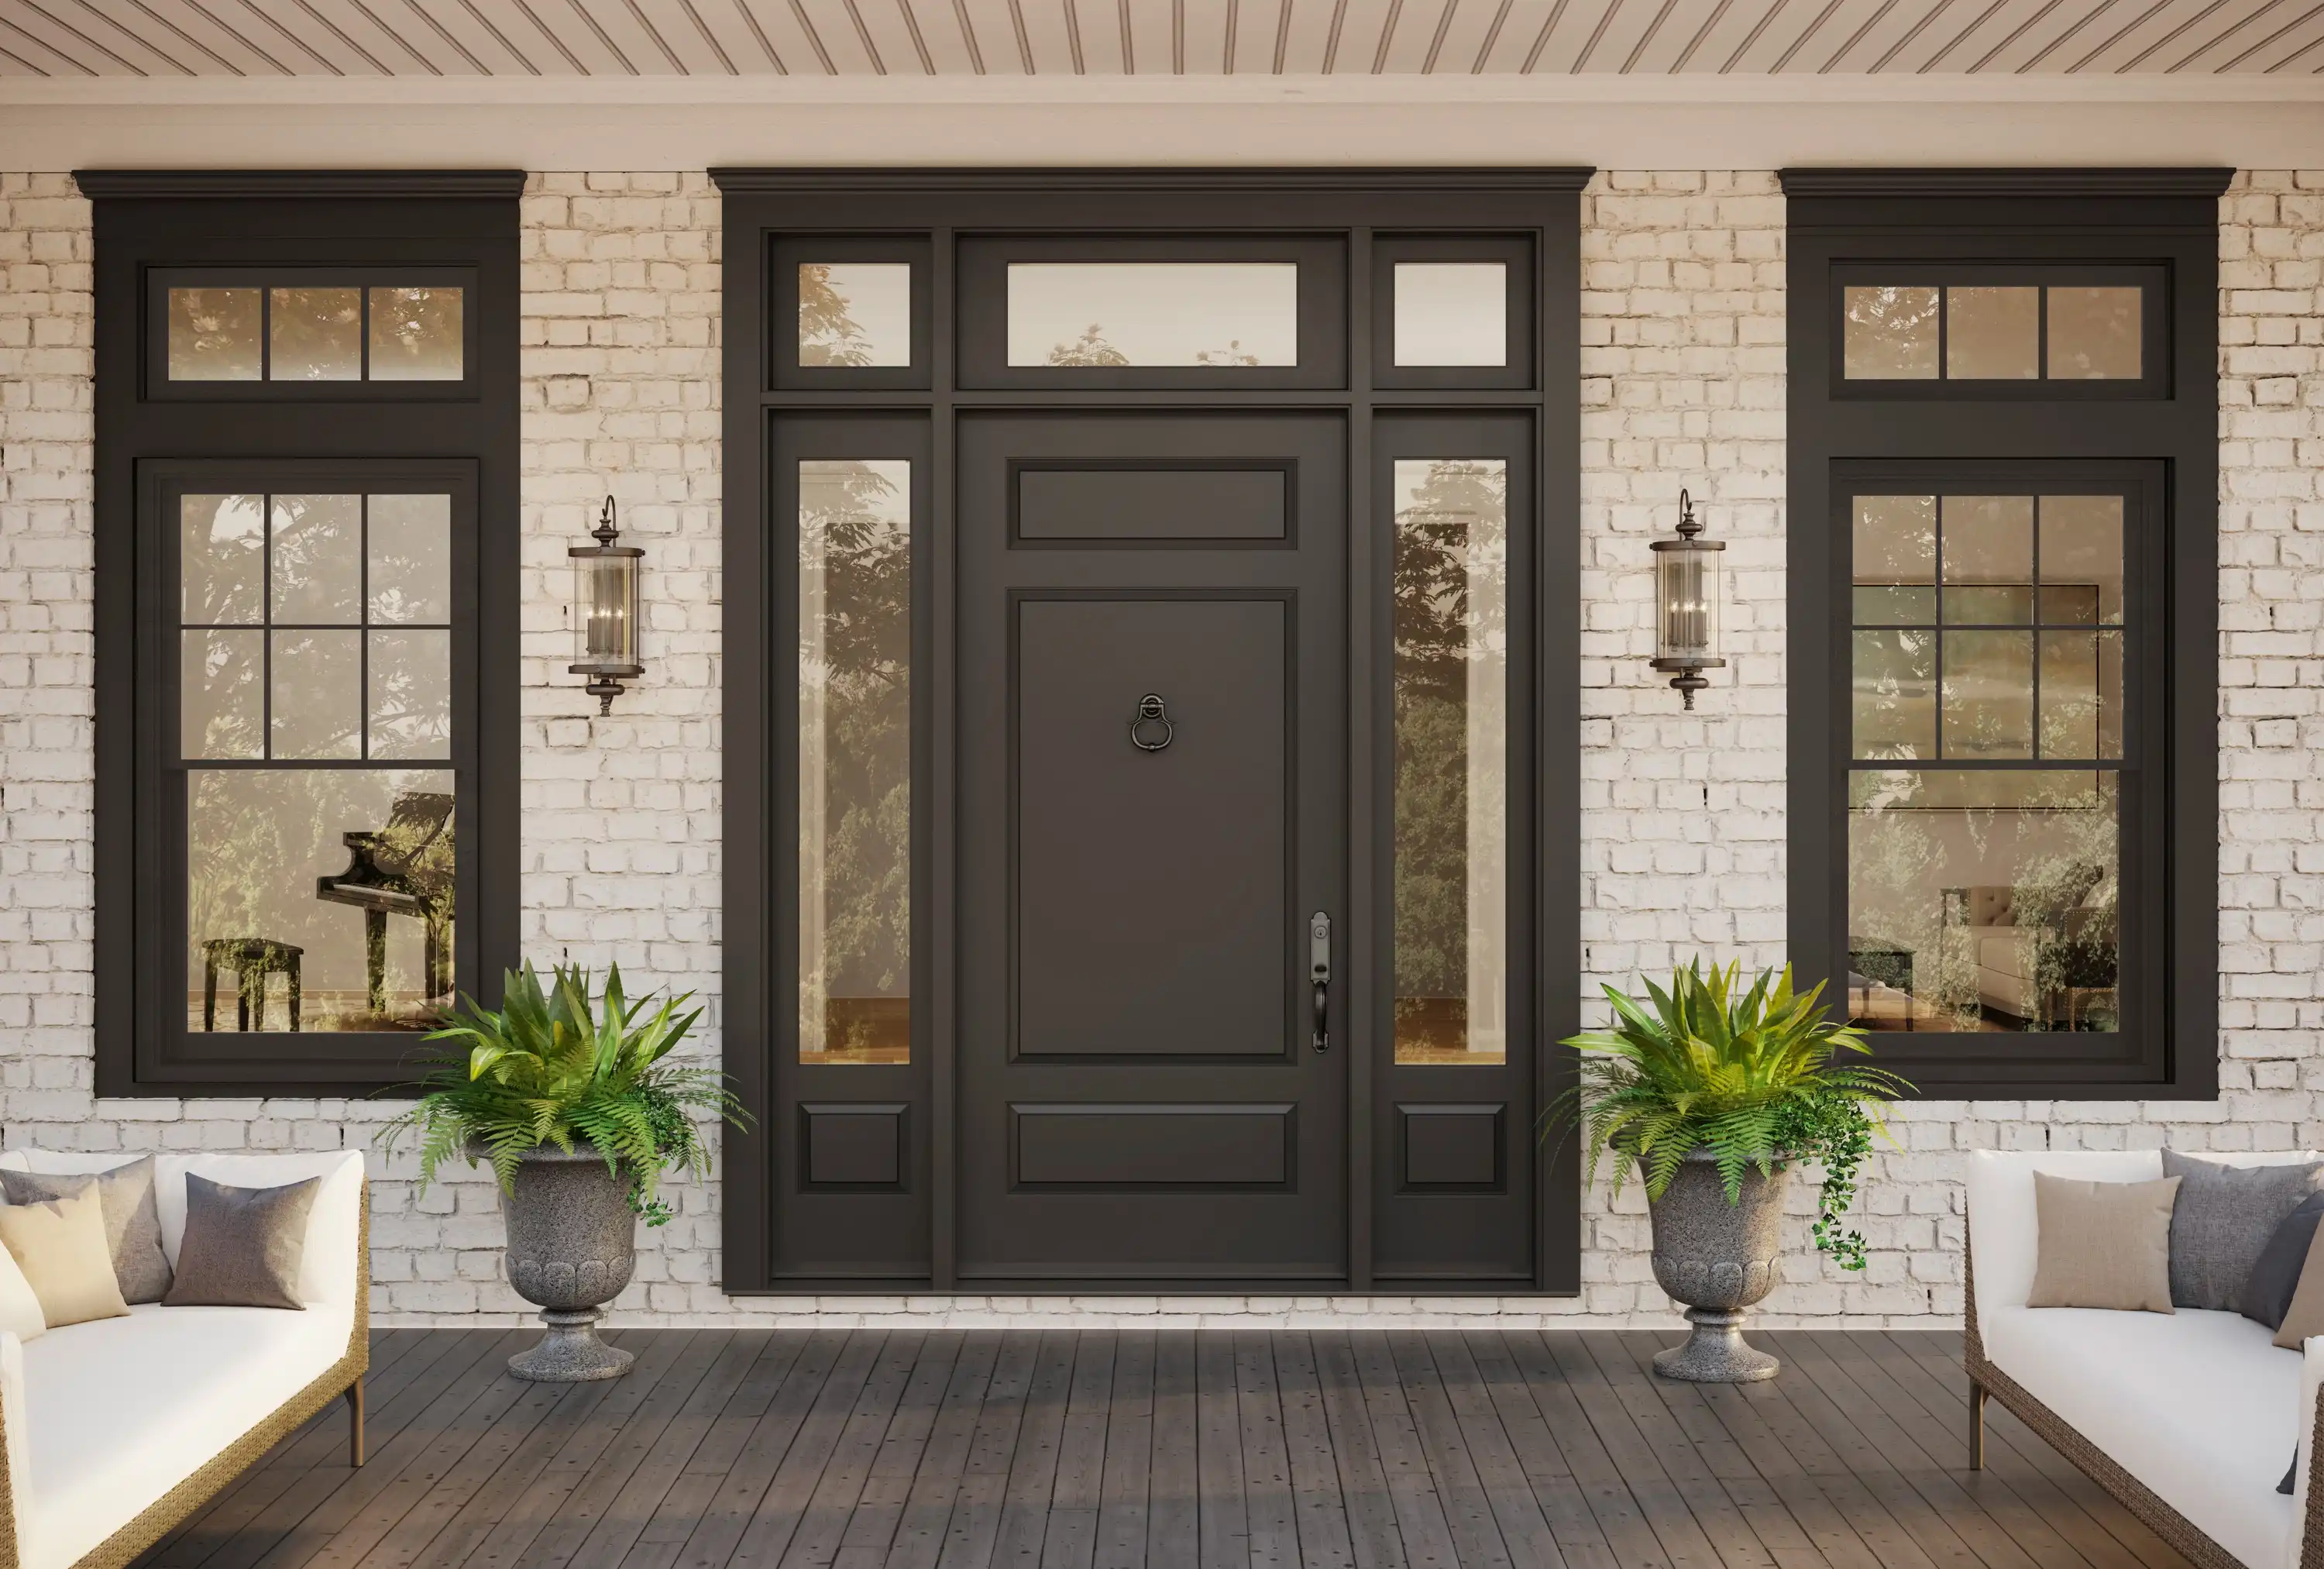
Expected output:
{"points": [[854, 759], [1451, 576]]}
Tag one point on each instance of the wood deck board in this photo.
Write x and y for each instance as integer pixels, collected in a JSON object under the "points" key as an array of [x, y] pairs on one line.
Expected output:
{"points": [[906, 1448]]}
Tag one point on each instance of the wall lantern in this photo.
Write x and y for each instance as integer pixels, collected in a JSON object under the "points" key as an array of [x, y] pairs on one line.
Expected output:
{"points": [[605, 602], [1686, 604]]}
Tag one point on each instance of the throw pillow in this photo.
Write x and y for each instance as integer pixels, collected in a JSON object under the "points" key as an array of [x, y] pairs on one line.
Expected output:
{"points": [[2266, 1294], [61, 1247], [242, 1245], [20, 1309], [132, 1222], [2305, 1315], [2224, 1217], [2102, 1244]]}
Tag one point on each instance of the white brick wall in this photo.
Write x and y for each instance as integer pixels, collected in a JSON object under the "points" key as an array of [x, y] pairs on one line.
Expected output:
{"points": [[1682, 365]]}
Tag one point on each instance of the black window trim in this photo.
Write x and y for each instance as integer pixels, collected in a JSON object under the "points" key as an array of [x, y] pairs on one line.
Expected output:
{"points": [[383, 227], [1841, 220]]}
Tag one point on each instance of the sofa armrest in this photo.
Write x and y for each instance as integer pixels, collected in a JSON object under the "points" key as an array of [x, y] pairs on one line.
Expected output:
{"points": [[2304, 1549], [16, 1454]]}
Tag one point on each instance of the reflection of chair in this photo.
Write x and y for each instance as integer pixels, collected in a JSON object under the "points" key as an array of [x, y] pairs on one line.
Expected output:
{"points": [[2026, 947], [251, 960], [404, 869]]}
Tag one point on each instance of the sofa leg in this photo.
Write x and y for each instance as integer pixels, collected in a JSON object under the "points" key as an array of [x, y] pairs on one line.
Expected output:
{"points": [[1975, 1426], [356, 1425]]}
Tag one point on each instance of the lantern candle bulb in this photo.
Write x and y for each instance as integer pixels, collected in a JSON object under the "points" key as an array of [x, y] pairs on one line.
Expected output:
{"points": [[606, 587], [1687, 595]]}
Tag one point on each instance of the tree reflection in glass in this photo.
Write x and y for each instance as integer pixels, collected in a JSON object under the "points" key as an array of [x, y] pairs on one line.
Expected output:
{"points": [[1450, 614], [854, 736]]}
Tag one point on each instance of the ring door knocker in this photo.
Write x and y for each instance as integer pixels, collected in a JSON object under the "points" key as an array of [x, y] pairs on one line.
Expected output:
{"points": [[1151, 713]]}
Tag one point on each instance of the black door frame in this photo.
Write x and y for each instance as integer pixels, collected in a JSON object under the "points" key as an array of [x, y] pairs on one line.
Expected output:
{"points": [[932, 208]]}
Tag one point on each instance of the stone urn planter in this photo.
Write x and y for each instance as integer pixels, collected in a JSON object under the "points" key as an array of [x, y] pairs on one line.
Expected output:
{"points": [[1719, 1259], [572, 1245]]}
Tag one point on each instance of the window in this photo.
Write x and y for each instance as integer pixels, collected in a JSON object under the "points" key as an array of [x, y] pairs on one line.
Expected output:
{"points": [[2002, 501], [305, 715]]}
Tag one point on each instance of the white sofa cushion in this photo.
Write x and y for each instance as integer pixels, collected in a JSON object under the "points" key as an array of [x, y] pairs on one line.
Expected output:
{"points": [[124, 1409], [2197, 1405], [327, 1275]]}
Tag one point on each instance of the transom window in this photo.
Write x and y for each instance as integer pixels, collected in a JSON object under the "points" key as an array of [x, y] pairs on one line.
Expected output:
{"points": [[1982, 331], [307, 329]]}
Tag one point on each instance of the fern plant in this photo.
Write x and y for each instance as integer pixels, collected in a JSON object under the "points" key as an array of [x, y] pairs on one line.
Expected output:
{"points": [[1749, 1075], [552, 1067]]}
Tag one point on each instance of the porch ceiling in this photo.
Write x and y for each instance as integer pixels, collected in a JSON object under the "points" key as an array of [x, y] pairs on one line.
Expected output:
{"points": [[165, 39]]}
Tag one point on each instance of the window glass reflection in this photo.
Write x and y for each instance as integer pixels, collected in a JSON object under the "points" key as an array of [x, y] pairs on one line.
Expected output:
{"points": [[1889, 333], [314, 334], [854, 750], [418, 335], [1084, 314], [855, 314], [1452, 313], [2096, 333], [319, 899], [214, 335], [1451, 695], [1983, 901]]}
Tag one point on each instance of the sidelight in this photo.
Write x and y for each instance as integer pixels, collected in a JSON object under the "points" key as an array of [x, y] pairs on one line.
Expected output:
{"points": [[1450, 696], [854, 759]]}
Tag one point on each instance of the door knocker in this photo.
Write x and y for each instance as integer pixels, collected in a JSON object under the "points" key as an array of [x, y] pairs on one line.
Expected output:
{"points": [[1150, 713]]}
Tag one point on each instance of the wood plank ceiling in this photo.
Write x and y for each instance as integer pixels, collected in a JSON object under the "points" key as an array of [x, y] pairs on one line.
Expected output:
{"points": [[933, 37]]}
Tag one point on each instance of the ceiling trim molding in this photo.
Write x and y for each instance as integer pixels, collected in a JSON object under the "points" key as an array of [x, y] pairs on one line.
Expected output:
{"points": [[755, 182], [2205, 182], [238, 184]]}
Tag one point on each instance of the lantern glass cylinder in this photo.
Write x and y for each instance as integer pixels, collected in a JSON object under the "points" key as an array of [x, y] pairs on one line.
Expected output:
{"points": [[606, 624], [1687, 595]]}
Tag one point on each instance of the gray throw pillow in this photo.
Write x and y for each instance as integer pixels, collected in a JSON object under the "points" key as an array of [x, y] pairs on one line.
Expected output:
{"points": [[2268, 1290], [2224, 1219], [132, 1222], [242, 1245]]}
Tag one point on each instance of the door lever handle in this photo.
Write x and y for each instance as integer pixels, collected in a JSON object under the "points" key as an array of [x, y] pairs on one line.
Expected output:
{"points": [[1319, 974]]}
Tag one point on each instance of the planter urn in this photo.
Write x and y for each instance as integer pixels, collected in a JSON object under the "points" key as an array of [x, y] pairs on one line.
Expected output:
{"points": [[572, 1246], [1718, 1259]]}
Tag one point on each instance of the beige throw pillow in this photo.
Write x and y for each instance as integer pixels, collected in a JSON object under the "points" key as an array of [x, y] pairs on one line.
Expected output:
{"points": [[2306, 1315], [62, 1247], [2103, 1244]]}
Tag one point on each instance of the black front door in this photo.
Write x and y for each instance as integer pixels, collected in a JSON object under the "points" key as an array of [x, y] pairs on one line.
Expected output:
{"points": [[1153, 760]]}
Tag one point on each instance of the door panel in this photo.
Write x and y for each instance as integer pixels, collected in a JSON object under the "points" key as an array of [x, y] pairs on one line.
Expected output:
{"points": [[1139, 1096], [1153, 890]]}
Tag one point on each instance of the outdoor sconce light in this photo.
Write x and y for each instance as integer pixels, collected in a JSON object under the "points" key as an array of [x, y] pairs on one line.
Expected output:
{"points": [[1686, 604], [605, 602]]}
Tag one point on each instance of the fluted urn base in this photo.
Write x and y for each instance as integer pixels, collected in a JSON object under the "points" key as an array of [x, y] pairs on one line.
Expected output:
{"points": [[571, 1352], [1715, 1353]]}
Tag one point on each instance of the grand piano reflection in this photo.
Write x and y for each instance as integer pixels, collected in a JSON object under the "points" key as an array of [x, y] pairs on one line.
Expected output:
{"points": [[404, 869]]}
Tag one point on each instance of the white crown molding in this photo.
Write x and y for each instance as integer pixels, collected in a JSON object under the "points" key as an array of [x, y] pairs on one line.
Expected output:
{"points": [[1612, 122]]}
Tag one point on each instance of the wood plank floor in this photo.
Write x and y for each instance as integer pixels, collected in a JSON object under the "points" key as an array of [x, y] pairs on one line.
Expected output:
{"points": [[1129, 1449]]}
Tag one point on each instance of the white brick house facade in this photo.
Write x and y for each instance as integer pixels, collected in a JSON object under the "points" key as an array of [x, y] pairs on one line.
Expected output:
{"points": [[1683, 828]]}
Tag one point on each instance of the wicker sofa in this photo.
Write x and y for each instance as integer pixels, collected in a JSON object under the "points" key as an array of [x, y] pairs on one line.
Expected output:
{"points": [[116, 1430], [2189, 1418]]}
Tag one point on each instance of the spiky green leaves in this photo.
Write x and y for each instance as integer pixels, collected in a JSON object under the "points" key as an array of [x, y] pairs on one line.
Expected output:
{"points": [[1749, 1075], [552, 1067]]}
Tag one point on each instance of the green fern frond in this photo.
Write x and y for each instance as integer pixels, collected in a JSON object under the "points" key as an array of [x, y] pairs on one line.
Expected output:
{"points": [[551, 1069], [1746, 1073]]}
